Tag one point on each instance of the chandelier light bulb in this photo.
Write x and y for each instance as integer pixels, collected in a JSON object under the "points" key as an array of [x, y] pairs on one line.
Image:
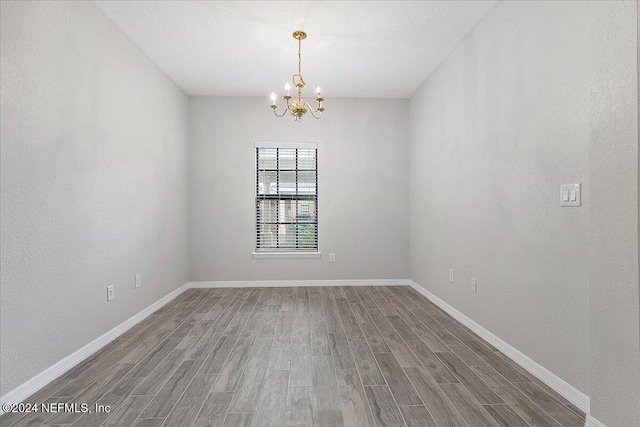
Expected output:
{"points": [[273, 98], [287, 87], [318, 90]]}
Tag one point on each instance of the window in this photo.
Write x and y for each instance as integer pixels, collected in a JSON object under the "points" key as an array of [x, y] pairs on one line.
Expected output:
{"points": [[286, 198]]}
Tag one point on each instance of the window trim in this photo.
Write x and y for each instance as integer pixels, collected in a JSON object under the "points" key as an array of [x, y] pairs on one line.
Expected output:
{"points": [[311, 145], [286, 252], [282, 254]]}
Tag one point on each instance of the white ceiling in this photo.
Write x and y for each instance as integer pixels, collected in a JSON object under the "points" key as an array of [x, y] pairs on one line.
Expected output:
{"points": [[362, 49]]}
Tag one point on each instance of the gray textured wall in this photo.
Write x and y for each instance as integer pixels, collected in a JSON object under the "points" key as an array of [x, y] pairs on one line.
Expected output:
{"points": [[539, 94], [94, 182], [613, 214], [362, 184]]}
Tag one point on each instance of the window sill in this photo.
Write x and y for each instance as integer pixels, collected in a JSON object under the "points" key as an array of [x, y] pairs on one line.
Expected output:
{"points": [[272, 255]]}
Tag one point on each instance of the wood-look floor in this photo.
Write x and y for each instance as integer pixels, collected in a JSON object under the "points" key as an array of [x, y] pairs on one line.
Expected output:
{"points": [[341, 356]]}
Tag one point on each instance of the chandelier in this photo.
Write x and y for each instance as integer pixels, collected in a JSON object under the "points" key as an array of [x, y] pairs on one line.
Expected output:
{"points": [[296, 106]]}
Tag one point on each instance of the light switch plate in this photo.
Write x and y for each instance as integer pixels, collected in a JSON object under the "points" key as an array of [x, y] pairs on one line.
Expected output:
{"points": [[571, 195]]}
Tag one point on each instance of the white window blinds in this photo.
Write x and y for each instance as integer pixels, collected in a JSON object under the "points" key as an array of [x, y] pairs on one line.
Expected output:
{"points": [[286, 197]]}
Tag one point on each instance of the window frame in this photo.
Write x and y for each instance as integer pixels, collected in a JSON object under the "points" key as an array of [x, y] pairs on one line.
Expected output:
{"points": [[284, 252]]}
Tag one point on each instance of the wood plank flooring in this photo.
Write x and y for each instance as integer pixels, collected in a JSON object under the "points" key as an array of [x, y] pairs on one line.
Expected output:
{"points": [[330, 356]]}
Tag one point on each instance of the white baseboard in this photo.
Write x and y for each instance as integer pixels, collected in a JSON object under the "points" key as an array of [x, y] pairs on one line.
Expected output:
{"points": [[592, 422], [31, 386], [562, 387], [287, 283]]}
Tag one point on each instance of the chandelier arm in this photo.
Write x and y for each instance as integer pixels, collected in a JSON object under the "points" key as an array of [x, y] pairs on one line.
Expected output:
{"points": [[312, 111], [316, 110], [280, 115]]}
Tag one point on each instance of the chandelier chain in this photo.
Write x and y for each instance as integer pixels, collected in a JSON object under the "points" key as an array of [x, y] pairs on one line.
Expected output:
{"points": [[300, 83], [300, 57]]}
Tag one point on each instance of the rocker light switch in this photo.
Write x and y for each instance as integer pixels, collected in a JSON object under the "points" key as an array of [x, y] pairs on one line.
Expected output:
{"points": [[570, 195]]}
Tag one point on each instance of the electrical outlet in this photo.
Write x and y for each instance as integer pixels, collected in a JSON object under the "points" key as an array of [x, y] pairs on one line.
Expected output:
{"points": [[109, 293], [451, 275], [474, 286], [137, 284], [332, 257]]}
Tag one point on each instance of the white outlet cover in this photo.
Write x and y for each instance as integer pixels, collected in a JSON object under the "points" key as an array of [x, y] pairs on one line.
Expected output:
{"points": [[137, 281]]}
